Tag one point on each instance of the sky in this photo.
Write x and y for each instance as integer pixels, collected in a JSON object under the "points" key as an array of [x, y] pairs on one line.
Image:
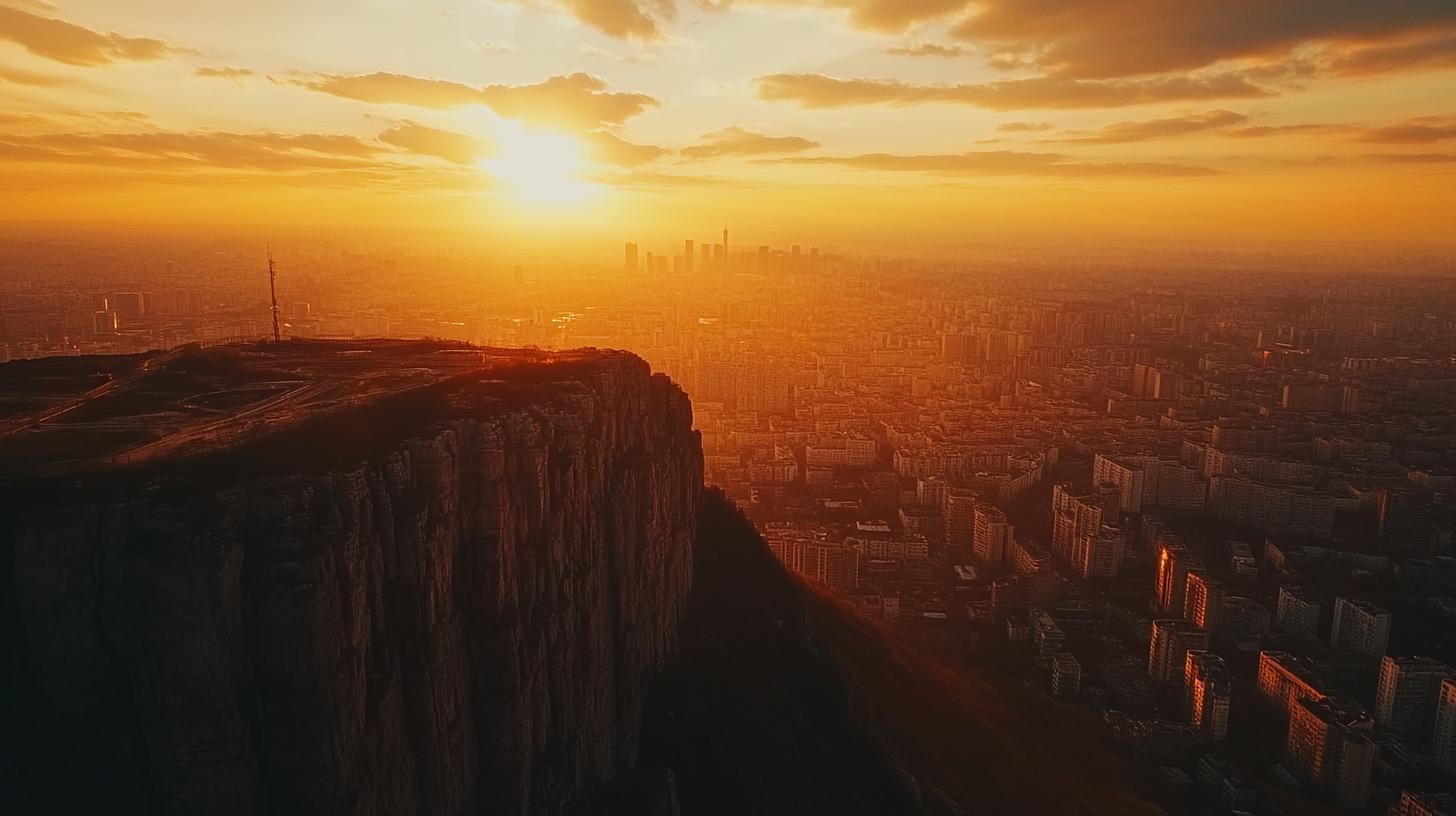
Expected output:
{"points": [[888, 122]]}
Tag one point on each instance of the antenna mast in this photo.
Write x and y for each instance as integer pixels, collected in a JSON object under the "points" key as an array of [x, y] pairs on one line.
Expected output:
{"points": [[273, 293]]}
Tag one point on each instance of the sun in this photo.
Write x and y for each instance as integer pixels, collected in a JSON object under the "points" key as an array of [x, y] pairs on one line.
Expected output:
{"points": [[540, 167]]}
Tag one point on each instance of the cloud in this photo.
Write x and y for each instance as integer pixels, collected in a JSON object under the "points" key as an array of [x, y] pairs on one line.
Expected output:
{"points": [[735, 141], [604, 147], [1416, 158], [1414, 131], [638, 178], [386, 88], [1099, 39], [618, 18], [573, 101], [1435, 52], [193, 150], [1262, 131], [927, 50], [1001, 163], [887, 16], [74, 45], [1124, 132], [15, 76], [1419, 130], [457, 148], [491, 47], [235, 74], [1024, 127], [819, 91], [23, 119]]}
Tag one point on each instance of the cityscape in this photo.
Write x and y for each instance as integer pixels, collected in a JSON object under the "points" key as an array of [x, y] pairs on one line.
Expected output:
{"points": [[1200, 501], [728, 408]]}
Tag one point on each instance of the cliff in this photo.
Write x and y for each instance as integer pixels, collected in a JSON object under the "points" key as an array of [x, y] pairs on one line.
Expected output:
{"points": [[443, 599], [412, 578]]}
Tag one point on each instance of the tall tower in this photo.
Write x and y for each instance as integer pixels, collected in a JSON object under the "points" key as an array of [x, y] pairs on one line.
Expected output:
{"points": [[273, 294], [725, 249]]}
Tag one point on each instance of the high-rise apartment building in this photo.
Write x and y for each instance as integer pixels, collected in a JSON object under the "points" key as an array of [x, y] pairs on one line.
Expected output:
{"points": [[1098, 556], [1203, 601], [1074, 515], [1328, 746], [1360, 627], [1284, 680], [1443, 730], [1206, 694], [1174, 563], [1168, 648], [1406, 697], [991, 539], [1298, 613], [960, 523]]}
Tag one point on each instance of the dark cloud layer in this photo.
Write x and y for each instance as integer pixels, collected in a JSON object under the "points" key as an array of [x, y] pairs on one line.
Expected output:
{"points": [[1098, 39]]}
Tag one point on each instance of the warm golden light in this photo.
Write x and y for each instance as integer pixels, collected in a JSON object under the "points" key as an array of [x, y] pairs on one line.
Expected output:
{"points": [[540, 167]]}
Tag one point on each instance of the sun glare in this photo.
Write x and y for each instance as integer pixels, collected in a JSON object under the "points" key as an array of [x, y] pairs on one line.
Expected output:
{"points": [[540, 167]]}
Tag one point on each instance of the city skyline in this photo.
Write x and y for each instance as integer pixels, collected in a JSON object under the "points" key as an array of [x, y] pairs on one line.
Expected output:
{"points": [[866, 122]]}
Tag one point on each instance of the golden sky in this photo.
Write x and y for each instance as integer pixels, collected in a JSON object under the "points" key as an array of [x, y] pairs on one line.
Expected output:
{"points": [[884, 120]]}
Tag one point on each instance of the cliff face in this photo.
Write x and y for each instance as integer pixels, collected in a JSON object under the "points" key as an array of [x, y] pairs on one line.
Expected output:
{"points": [[460, 621]]}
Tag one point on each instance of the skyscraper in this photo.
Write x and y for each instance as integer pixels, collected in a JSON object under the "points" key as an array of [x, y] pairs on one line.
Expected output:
{"points": [[630, 266], [688, 256]]}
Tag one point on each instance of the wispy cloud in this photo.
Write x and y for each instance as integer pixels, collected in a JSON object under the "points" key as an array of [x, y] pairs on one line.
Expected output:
{"points": [[65, 42], [1001, 163], [573, 101], [234, 74], [819, 91], [927, 49], [1124, 132], [735, 141]]}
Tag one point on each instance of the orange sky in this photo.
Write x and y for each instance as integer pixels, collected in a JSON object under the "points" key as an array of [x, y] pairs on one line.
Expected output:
{"points": [[876, 119]]}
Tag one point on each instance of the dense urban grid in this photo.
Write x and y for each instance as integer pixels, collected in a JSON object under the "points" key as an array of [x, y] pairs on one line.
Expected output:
{"points": [[1201, 499]]}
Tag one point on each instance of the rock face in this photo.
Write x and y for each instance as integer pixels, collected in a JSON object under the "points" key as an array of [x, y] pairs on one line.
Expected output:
{"points": [[460, 621]]}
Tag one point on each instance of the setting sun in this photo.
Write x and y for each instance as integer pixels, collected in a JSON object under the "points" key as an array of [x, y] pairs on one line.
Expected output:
{"points": [[540, 167]]}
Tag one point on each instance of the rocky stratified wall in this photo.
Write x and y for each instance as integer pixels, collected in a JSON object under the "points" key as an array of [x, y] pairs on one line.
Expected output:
{"points": [[462, 623]]}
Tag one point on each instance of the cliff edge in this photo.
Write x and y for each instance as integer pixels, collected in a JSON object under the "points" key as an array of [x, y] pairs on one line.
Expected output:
{"points": [[350, 578], [420, 578]]}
